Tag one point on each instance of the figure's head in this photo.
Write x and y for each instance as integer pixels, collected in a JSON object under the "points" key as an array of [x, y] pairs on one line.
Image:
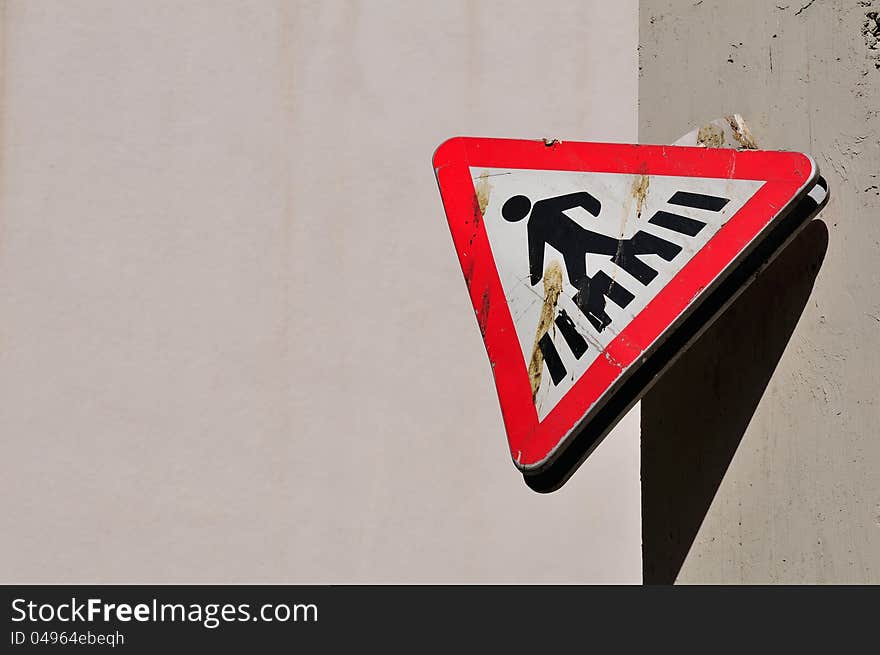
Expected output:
{"points": [[516, 208]]}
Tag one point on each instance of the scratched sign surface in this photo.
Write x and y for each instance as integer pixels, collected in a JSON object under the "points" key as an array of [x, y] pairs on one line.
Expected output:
{"points": [[582, 258]]}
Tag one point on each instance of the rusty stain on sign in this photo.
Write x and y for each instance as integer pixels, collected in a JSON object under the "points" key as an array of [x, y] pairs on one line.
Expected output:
{"points": [[483, 311], [640, 192], [483, 188], [552, 289], [741, 132], [732, 131], [710, 136]]}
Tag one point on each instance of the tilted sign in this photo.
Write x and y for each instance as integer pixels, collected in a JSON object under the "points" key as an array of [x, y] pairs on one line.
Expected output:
{"points": [[584, 260]]}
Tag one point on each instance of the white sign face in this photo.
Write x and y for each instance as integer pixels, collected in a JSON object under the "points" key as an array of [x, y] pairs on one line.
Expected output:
{"points": [[579, 254]]}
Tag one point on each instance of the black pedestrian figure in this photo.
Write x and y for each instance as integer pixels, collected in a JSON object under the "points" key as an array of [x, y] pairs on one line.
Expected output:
{"points": [[549, 225]]}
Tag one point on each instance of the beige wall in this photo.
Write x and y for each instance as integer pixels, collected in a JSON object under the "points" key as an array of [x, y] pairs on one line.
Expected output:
{"points": [[761, 457], [235, 343]]}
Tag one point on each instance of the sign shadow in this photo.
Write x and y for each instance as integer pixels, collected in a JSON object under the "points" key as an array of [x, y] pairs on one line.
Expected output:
{"points": [[695, 415]]}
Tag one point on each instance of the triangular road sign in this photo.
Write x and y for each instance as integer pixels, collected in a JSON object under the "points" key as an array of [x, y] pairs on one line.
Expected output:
{"points": [[588, 265]]}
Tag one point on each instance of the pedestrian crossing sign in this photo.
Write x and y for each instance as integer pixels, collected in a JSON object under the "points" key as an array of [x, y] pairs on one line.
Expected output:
{"points": [[583, 259]]}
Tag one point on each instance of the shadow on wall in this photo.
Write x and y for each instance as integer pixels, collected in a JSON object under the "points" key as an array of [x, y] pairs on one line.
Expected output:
{"points": [[695, 415]]}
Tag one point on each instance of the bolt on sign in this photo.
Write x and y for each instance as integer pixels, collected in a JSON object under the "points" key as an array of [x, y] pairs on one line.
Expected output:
{"points": [[591, 266]]}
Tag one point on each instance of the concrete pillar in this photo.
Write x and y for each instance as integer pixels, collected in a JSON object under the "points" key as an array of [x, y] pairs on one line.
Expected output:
{"points": [[759, 448]]}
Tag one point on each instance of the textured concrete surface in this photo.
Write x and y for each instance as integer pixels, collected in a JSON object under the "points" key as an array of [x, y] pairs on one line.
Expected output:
{"points": [[775, 484], [235, 342]]}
